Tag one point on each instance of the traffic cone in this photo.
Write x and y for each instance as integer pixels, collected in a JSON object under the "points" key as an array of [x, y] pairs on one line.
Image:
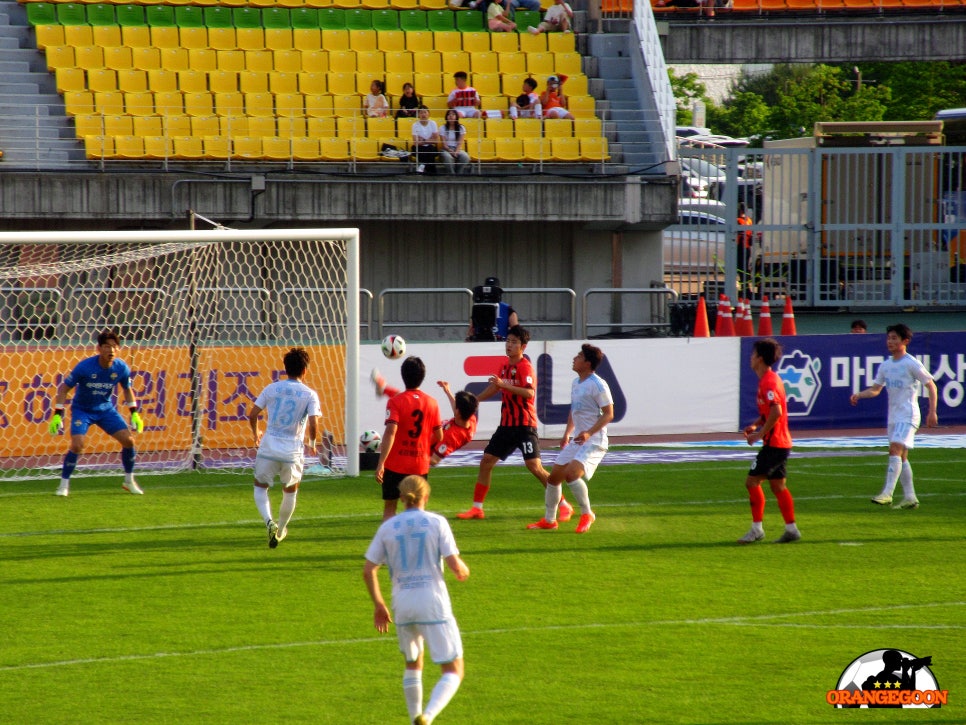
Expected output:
{"points": [[744, 327], [701, 319], [764, 319], [788, 318], [725, 325]]}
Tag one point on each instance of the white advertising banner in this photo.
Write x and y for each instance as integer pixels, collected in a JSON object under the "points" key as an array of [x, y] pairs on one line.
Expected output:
{"points": [[660, 386]]}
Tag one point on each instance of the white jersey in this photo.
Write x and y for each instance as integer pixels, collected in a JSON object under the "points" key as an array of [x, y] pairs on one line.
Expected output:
{"points": [[413, 545], [587, 397], [903, 380], [288, 405]]}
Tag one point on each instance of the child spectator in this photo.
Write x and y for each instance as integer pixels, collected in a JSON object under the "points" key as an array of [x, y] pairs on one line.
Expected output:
{"points": [[527, 104], [497, 20], [464, 97], [409, 102], [375, 104], [557, 19], [553, 100]]}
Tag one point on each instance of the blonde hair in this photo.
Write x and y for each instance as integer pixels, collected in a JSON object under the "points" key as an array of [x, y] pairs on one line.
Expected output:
{"points": [[413, 489]]}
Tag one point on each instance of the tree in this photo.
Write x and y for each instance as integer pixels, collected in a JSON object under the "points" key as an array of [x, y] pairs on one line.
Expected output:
{"points": [[687, 89]]}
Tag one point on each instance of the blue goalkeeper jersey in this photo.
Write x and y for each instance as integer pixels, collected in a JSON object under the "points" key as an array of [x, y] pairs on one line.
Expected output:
{"points": [[95, 385]]}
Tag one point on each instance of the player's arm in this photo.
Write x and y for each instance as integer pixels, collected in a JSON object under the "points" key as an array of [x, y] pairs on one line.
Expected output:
{"points": [[56, 425], [381, 617], [489, 391], [136, 422], [774, 413], [932, 417], [388, 436], [459, 568], [253, 422], [568, 431], [605, 417], [313, 430], [437, 436], [449, 394], [523, 392], [870, 392]]}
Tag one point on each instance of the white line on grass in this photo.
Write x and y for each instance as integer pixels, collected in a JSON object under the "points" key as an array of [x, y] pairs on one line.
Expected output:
{"points": [[758, 620]]}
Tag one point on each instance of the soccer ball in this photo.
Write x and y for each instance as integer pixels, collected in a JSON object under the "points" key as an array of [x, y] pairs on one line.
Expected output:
{"points": [[370, 441], [393, 346]]}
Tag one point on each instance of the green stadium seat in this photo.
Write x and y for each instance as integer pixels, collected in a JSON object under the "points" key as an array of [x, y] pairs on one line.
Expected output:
{"points": [[101, 15], [218, 16], [524, 18], [332, 18], [410, 20], [470, 22], [247, 17], [130, 16], [42, 14], [71, 14], [385, 19], [160, 16], [189, 16], [305, 18], [441, 20], [277, 18], [358, 19]]}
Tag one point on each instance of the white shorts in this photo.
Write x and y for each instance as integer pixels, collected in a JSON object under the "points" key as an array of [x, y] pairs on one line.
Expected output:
{"points": [[555, 112], [443, 641], [467, 111], [589, 455], [266, 469], [903, 433]]}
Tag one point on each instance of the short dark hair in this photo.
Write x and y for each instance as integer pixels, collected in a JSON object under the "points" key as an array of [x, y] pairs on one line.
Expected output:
{"points": [[296, 362], [108, 335], [531, 82], [466, 404], [523, 100], [858, 323], [593, 355], [519, 332], [769, 350], [413, 372], [901, 330], [460, 74]]}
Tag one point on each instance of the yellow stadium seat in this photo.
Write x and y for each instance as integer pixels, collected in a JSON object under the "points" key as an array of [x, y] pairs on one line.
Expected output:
{"points": [[509, 149], [222, 81], [455, 61], [473, 126], [132, 81], [307, 39], [193, 37], [231, 61], [511, 63], [399, 61], [165, 37], [119, 58], [484, 62], [558, 128], [428, 62], [335, 40], [217, 147], [49, 35], [419, 41], [204, 126], [342, 83], [192, 81], [404, 127], [289, 104], [565, 149], [169, 102], [533, 43], [136, 36], [175, 59], [370, 62], [528, 128], [234, 125], [88, 124], [148, 126], [499, 128], [158, 147], [291, 126], [250, 38], [435, 104], [188, 147], [246, 147], [176, 125], [582, 105], [306, 148], [568, 63], [259, 61], [76, 102], [321, 127], [288, 61], [481, 149], [203, 59], [109, 102], [222, 39], [60, 56], [594, 148], [334, 149], [381, 127], [561, 43], [364, 149], [312, 83], [279, 38], [428, 84], [486, 84], [342, 61], [540, 64], [476, 43], [536, 148], [70, 79], [98, 147], [102, 80], [588, 127], [259, 104], [283, 83], [276, 148], [77, 35], [263, 126], [360, 40], [253, 82], [319, 106], [118, 125], [350, 126], [315, 61], [504, 42], [199, 104], [145, 59], [89, 57], [432, 4], [389, 41], [231, 103], [446, 42]]}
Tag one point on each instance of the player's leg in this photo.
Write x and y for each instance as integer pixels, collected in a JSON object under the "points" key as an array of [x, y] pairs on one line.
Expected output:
{"points": [[446, 647], [552, 494], [901, 440], [115, 426], [390, 493], [77, 441], [379, 383], [579, 472], [786, 504], [756, 499], [897, 448], [291, 477], [501, 444], [529, 444], [265, 471], [411, 645]]}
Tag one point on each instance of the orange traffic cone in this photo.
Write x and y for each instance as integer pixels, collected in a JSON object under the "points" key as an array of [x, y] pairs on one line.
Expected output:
{"points": [[701, 319], [764, 319], [788, 318], [725, 325], [744, 327]]}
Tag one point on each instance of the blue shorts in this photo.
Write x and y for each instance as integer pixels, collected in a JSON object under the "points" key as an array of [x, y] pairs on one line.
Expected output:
{"points": [[110, 421]]}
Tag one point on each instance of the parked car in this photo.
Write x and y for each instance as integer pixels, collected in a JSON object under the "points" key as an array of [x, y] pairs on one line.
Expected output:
{"points": [[696, 244], [688, 131], [697, 176]]}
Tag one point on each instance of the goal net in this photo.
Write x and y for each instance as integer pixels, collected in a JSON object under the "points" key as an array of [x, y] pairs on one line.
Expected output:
{"points": [[204, 318]]}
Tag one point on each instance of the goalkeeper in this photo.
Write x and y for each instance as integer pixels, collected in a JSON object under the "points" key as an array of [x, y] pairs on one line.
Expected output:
{"points": [[95, 379]]}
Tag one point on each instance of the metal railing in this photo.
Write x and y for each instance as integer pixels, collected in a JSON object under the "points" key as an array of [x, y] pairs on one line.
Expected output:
{"points": [[657, 316]]}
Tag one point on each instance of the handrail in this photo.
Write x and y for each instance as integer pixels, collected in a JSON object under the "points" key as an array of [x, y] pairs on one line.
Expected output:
{"points": [[543, 290], [423, 290], [365, 319], [622, 291]]}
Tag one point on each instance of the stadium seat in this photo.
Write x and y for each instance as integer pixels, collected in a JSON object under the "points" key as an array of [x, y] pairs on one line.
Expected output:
{"points": [[229, 104], [283, 83], [428, 84], [454, 61], [216, 147], [560, 43], [474, 127], [436, 104], [481, 149], [588, 127], [102, 79], [78, 102], [363, 40], [440, 21], [46, 36], [346, 104], [536, 148], [41, 13], [223, 81], [533, 43], [391, 41], [332, 18], [262, 125], [246, 147], [132, 81], [381, 127], [565, 149], [276, 17], [106, 36], [253, 82], [289, 105], [384, 18], [60, 56], [189, 16], [528, 128], [291, 126], [312, 83], [307, 39], [486, 84], [203, 59], [403, 5], [470, 23], [192, 37], [319, 106], [169, 103], [358, 18], [192, 81], [176, 125], [164, 37], [477, 41], [568, 63], [148, 126], [371, 62], [321, 127], [70, 79], [399, 61], [109, 102], [594, 149], [88, 124], [246, 17], [250, 38], [287, 61], [306, 148], [305, 18], [509, 149], [558, 128], [146, 59], [71, 14], [98, 147], [231, 61], [342, 83], [412, 20], [427, 62], [259, 61], [160, 16], [158, 147], [199, 104], [175, 59], [89, 57], [333, 40], [582, 105], [540, 64], [504, 42], [395, 81], [432, 5], [350, 126], [279, 38], [259, 104], [188, 147], [499, 127], [524, 18], [577, 85], [204, 126], [364, 149], [334, 149], [219, 16]]}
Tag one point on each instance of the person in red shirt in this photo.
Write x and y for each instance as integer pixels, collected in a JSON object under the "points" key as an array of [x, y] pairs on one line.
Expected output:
{"points": [[413, 427], [458, 430], [517, 383], [744, 244], [771, 428]]}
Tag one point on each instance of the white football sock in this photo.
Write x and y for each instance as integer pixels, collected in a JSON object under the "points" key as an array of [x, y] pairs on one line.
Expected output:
{"points": [[905, 478], [892, 475], [757, 527], [262, 503], [413, 690], [442, 693], [286, 509], [551, 499], [581, 495]]}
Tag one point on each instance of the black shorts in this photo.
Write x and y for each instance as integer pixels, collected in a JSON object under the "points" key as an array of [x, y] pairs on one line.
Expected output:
{"points": [[391, 481], [770, 463], [509, 438]]}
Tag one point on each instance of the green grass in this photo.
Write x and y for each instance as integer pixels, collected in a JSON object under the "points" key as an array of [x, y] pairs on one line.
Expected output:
{"points": [[170, 608]]}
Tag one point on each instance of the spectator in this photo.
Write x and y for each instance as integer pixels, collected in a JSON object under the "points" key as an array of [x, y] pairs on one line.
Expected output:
{"points": [[375, 104], [452, 139], [464, 97], [409, 102], [859, 327], [527, 104], [488, 301], [557, 19], [515, 5], [553, 100], [744, 241], [497, 21], [425, 142]]}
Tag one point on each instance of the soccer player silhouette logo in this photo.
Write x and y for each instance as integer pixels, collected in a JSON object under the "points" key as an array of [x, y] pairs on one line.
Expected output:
{"points": [[898, 673]]}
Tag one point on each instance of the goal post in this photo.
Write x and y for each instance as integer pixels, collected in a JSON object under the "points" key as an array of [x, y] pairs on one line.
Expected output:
{"points": [[204, 318]]}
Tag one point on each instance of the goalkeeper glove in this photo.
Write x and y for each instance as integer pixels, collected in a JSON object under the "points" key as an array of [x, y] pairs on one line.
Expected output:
{"points": [[56, 426], [136, 422]]}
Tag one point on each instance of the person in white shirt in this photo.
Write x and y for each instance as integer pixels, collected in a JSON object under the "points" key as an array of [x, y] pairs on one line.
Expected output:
{"points": [[425, 142], [591, 409], [452, 139], [414, 544], [291, 407], [527, 104], [557, 19], [903, 377]]}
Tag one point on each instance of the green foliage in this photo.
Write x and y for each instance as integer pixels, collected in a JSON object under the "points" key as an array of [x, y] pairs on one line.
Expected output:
{"points": [[171, 608], [687, 89]]}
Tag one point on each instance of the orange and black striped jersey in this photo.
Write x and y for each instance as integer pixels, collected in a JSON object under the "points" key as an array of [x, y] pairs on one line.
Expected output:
{"points": [[516, 409]]}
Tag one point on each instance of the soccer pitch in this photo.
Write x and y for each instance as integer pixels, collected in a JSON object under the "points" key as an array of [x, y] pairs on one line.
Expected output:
{"points": [[171, 608]]}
